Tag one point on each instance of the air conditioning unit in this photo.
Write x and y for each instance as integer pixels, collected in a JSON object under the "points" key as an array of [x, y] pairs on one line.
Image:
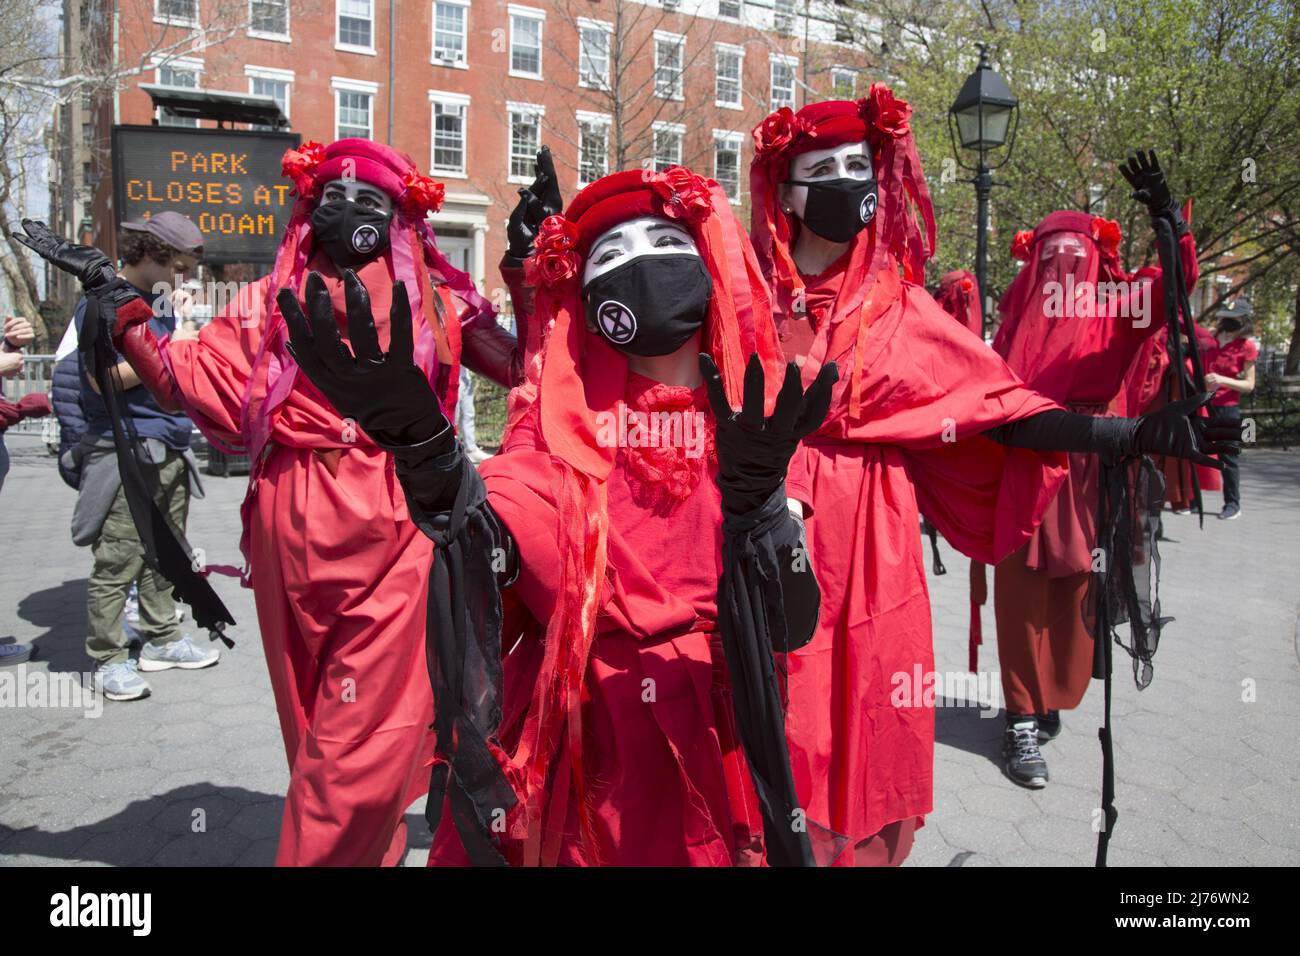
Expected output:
{"points": [[671, 4], [446, 56]]}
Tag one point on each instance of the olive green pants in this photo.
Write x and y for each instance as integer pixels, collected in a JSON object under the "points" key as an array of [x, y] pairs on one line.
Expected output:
{"points": [[119, 560]]}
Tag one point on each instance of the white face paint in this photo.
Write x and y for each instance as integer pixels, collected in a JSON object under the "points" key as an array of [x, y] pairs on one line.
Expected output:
{"points": [[644, 236], [848, 161], [1062, 245], [361, 193]]}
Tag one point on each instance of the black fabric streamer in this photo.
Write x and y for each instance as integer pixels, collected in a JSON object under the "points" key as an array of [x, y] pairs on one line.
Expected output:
{"points": [[752, 620], [463, 654], [1124, 591], [165, 548], [932, 533]]}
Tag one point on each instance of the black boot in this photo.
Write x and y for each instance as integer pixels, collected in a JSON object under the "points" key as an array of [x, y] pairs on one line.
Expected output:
{"points": [[1024, 761]]}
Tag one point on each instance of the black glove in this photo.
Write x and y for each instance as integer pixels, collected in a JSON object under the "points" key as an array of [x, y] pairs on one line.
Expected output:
{"points": [[386, 394], [1150, 188], [1178, 431], [754, 452], [86, 263], [538, 201]]}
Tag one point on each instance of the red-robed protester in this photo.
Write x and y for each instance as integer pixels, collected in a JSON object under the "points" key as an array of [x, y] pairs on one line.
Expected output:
{"points": [[958, 295], [609, 735], [1072, 323], [332, 554], [915, 393]]}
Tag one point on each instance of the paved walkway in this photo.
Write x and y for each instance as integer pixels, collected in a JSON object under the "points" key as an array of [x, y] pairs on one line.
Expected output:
{"points": [[1208, 757]]}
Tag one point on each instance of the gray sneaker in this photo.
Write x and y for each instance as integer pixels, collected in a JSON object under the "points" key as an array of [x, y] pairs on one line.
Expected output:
{"points": [[122, 682], [183, 653], [15, 653]]}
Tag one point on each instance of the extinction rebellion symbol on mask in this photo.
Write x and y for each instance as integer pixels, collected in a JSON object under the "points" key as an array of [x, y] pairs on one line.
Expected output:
{"points": [[617, 322], [868, 208], [365, 239]]}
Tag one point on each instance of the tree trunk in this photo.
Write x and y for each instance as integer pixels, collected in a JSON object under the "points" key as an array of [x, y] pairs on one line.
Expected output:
{"points": [[1293, 353]]}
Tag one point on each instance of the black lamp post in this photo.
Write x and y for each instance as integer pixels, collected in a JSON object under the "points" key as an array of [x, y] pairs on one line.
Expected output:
{"points": [[984, 116]]}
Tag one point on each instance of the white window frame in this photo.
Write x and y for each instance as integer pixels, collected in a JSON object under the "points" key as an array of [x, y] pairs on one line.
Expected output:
{"points": [[275, 74], [176, 21], [177, 63], [585, 23], [793, 63], [680, 39], [447, 98], [740, 12], [263, 34], [839, 71], [513, 107], [343, 84], [350, 47], [514, 10], [463, 62], [737, 139], [739, 51], [662, 126], [592, 119]]}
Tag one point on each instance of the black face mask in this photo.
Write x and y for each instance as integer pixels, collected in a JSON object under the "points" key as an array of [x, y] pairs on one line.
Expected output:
{"points": [[1231, 326], [838, 209], [651, 305], [350, 234]]}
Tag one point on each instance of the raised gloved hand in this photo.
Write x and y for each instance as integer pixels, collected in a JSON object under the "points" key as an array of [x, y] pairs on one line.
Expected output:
{"points": [[539, 200], [753, 451], [387, 394], [86, 263], [1143, 173], [1177, 430]]}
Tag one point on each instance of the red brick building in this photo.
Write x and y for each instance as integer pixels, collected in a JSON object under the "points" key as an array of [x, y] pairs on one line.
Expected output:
{"points": [[470, 88]]}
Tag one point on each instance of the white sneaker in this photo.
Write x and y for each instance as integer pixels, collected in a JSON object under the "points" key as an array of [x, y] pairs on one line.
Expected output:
{"points": [[183, 653]]}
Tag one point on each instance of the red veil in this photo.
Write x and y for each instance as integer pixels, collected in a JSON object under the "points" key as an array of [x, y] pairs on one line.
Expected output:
{"points": [[573, 378]]}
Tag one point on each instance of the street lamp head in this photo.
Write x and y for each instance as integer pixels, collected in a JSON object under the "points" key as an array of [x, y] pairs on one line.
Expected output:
{"points": [[984, 109]]}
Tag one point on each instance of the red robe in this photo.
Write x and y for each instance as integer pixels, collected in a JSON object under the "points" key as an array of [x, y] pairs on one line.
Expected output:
{"points": [[666, 780], [1044, 644], [338, 572], [861, 732]]}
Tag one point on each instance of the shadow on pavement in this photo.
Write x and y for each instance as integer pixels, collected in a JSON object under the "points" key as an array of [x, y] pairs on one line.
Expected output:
{"points": [[61, 611]]}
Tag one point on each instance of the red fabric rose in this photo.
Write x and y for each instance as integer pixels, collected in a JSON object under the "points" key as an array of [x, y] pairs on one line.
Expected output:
{"points": [[423, 194], [1021, 245], [779, 131], [682, 194], [968, 285], [555, 257], [1108, 235], [884, 113], [300, 166]]}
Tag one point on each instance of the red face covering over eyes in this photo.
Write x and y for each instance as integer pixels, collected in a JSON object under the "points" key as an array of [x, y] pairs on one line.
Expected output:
{"points": [[552, 487]]}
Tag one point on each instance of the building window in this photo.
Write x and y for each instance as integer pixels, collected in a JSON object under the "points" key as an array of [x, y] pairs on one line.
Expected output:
{"points": [[449, 114], [186, 77], [354, 114], [525, 140], [268, 18], [844, 84], [729, 9], [356, 25], [593, 53], [177, 11], [726, 162], [668, 145], [593, 147], [783, 68], [261, 84], [450, 29], [729, 64], [526, 42], [783, 16], [670, 56]]}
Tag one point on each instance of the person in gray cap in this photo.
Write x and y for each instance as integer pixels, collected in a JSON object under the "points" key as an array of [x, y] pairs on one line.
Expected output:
{"points": [[157, 255]]}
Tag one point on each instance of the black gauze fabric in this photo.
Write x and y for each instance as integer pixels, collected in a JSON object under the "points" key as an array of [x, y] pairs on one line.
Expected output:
{"points": [[350, 234], [838, 209], [651, 305]]}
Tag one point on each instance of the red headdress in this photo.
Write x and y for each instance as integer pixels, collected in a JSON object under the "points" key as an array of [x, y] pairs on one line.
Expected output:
{"points": [[959, 295], [902, 232], [576, 376], [412, 257]]}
